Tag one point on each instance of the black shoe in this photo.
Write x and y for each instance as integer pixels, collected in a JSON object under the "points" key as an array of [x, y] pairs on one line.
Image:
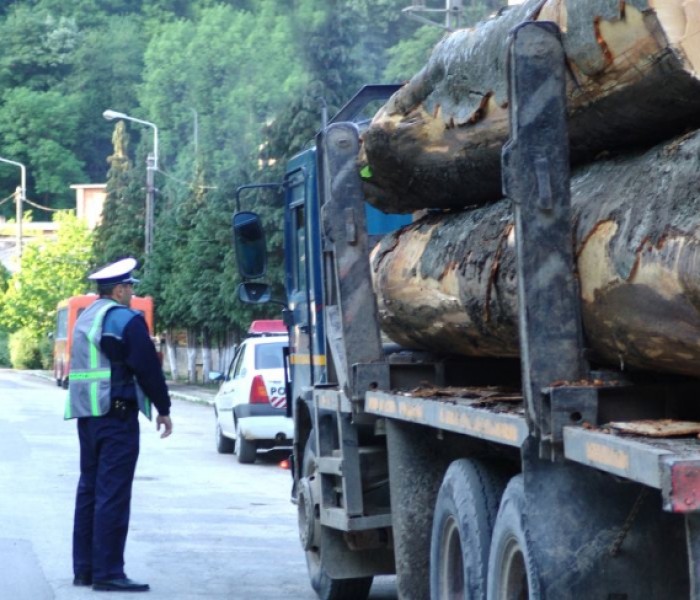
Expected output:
{"points": [[82, 580], [119, 585]]}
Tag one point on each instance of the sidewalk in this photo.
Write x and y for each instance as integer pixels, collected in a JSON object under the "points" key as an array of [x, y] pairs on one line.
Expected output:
{"points": [[200, 394]]}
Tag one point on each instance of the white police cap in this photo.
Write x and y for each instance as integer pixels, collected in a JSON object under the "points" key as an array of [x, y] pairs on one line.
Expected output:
{"points": [[117, 272]]}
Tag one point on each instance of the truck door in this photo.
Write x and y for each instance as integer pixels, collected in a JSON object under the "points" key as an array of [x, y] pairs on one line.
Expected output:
{"points": [[297, 274]]}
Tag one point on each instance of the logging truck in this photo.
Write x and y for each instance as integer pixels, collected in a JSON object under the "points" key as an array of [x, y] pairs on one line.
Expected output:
{"points": [[509, 455]]}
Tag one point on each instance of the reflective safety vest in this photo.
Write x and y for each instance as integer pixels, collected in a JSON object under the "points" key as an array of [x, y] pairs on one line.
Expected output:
{"points": [[89, 381]]}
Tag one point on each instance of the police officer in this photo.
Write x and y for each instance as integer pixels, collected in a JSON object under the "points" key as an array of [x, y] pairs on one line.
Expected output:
{"points": [[115, 373]]}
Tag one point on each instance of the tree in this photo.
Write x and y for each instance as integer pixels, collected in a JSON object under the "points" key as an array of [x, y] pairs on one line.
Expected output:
{"points": [[51, 270], [39, 129], [121, 230], [107, 69], [37, 48]]}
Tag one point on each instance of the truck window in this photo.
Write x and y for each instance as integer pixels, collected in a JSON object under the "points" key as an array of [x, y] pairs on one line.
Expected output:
{"points": [[299, 223]]}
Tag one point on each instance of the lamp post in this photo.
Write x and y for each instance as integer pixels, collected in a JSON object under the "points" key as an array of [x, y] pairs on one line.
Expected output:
{"points": [[20, 198], [151, 168]]}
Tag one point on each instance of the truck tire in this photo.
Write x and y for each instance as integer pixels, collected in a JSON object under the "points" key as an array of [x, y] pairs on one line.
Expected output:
{"points": [[245, 449], [224, 445], [465, 513], [512, 570], [325, 587]]}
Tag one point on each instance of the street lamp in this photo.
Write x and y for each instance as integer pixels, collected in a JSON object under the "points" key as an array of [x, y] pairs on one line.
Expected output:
{"points": [[151, 168], [20, 200]]}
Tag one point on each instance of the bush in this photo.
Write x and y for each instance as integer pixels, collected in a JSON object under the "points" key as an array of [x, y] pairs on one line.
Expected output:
{"points": [[46, 352], [24, 350], [4, 349]]}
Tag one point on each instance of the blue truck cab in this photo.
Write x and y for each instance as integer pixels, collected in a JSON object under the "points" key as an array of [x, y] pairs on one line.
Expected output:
{"points": [[334, 339]]}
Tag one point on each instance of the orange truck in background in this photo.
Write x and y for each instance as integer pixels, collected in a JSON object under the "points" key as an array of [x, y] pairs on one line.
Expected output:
{"points": [[67, 313]]}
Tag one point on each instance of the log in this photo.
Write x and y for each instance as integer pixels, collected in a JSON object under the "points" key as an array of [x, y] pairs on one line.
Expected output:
{"points": [[632, 81], [447, 283]]}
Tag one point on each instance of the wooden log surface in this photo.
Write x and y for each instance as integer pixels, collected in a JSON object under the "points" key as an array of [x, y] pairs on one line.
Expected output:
{"points": [[633, 81], [447, 283]]}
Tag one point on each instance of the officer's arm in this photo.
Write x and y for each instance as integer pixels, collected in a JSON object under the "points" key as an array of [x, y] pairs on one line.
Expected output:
{"points": [[142, 359]]}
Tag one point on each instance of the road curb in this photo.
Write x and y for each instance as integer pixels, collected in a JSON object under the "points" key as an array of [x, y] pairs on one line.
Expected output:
{"points": [[189, 398]]}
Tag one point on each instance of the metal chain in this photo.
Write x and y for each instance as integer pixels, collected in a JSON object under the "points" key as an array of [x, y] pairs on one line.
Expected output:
{"points": [[617, 543]]}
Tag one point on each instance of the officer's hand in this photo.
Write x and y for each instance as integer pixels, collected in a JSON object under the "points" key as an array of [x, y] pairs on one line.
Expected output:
{"points": [[167, 424]]}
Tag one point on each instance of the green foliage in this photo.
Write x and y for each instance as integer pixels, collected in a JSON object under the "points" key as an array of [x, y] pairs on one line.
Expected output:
{"points": [[236, 87], [39, 129], [24, 350], [50, 271], [4, 349], [4, 279], [121, 231], [407, 57]]}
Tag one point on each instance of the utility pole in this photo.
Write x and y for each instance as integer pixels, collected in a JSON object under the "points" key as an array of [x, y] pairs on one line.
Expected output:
{"points": [[19, 199], [150, 203], [151, 168]]}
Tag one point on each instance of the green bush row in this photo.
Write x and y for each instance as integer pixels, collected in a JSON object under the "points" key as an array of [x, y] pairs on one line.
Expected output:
{"points": [[25, 349]]}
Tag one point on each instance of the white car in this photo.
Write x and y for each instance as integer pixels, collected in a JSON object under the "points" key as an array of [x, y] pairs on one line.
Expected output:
{"points": [[251, 404]]}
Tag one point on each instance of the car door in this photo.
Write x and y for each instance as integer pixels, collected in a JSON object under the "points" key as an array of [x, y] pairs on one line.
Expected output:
{"points": [[230, 391]]}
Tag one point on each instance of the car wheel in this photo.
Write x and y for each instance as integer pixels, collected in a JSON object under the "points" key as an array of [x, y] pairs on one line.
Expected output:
{"points": [[323, 584], [224, 445], [245, 449]]}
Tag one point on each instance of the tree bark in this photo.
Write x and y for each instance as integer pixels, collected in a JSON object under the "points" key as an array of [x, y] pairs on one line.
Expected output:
{"points": [[192, 337], [437, 142], [447, 282], [171, 351]]}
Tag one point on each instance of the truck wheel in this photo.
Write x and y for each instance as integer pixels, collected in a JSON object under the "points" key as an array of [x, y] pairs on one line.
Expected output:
{"points": [[224, 445], [245, 449], [325, 587], [512, 571], [465, 511]]}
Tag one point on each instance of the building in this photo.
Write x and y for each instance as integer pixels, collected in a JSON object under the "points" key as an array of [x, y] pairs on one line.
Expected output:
{"points": [[89, 202]]}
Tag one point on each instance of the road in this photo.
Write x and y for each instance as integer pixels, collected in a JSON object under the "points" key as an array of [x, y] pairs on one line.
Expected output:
{"points": [[202, 525]]}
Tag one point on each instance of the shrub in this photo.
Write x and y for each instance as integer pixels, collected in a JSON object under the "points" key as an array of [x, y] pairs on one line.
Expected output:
{"points": [[46, 352], [24, 350], [4, 349]]}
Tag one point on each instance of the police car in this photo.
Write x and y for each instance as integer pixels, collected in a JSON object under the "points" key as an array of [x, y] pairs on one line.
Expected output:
{"points": [[251, 404]]}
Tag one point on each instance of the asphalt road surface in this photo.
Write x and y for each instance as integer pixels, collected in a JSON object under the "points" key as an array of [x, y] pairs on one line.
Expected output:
{"points": [[202, 525]]}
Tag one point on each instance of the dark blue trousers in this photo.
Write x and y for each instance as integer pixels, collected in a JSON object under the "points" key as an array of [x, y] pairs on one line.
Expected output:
{"points": [[109, 449]]}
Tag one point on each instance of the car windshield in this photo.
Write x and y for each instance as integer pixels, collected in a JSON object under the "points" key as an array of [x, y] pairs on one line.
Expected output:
{"points": [[269, 356]]}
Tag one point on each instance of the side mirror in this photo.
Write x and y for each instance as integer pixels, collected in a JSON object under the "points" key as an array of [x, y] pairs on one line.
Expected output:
{"points": [[254, 293], [215, 376], [249, 241]]}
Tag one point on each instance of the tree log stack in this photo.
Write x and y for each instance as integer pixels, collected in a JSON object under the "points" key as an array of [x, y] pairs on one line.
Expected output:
{"points": [[633, 81], [447, 282]]}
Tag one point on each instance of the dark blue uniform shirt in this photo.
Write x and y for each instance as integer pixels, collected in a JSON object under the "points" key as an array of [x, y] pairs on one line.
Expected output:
{"points": [[127, 343]]}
